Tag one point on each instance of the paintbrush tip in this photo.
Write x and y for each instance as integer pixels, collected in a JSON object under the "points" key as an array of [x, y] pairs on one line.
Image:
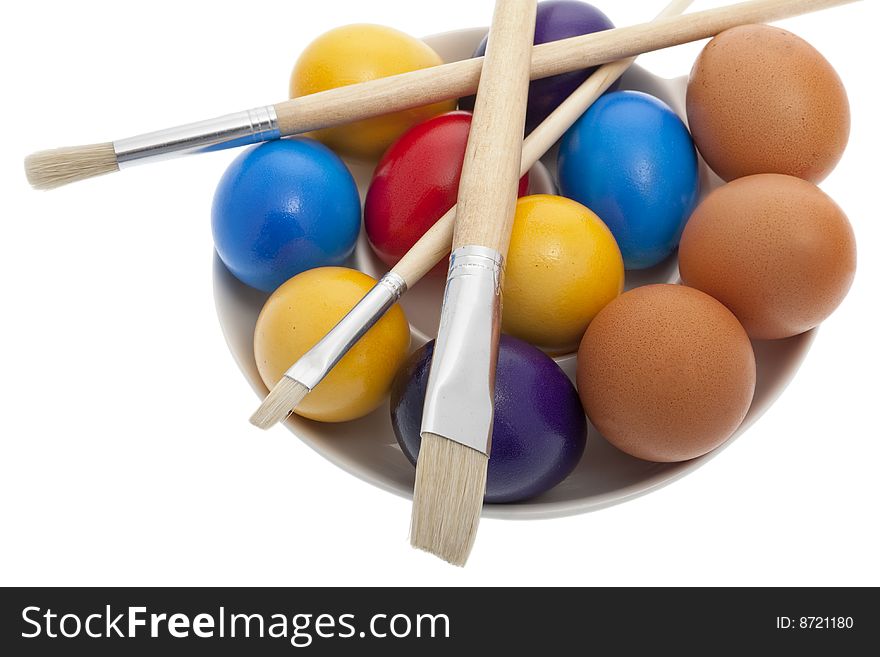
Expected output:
{"points": [[279, 403], [62, 166], [448, 498]]}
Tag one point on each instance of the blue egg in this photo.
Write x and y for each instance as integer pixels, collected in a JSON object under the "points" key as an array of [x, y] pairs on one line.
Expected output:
{"points": [[283, 207], [631, 160]]}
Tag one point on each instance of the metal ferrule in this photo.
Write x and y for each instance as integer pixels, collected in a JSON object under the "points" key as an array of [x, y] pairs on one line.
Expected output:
{"points": [[231, 130], [317, 362], [459, 398]]}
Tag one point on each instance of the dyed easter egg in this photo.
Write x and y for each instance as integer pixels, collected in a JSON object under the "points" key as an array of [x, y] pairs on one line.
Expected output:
{"points": [[415, 183], [359, 53], [555, 20], [563, 267], [283, 207], [301, 312], [774, 249], [666, 373], [762, 100], [539, 429], [630, 159]]}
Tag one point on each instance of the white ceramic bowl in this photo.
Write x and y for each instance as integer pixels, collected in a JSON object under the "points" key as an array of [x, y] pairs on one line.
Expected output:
{"points": [[367, 448]]}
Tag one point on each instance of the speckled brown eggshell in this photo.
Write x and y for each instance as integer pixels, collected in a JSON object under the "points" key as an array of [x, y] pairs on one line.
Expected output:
{"points": [[762, 100], [666, 373], [774, 249]]}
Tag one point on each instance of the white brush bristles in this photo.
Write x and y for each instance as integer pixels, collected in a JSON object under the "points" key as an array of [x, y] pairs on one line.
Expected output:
{"points": [[279, 403], [62, 166], [448, 498]]}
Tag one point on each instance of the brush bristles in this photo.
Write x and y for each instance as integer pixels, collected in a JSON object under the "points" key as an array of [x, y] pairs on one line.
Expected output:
{"points": [[448, 498], [279, 403], [61, 166]]}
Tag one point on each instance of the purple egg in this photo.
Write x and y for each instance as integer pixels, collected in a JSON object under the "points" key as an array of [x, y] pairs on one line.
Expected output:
{"points": [[539, 431], [556, 19]]}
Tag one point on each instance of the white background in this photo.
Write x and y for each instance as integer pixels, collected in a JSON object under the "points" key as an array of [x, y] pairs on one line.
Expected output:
{"points": [[126, 456]]}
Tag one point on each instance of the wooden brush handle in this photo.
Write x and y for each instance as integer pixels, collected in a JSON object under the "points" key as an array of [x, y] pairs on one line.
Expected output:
{"points": [[430, 85], [490, 172]]}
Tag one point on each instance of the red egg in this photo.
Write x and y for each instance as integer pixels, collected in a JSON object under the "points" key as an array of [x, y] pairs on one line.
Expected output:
{"points": [[415, 183]]}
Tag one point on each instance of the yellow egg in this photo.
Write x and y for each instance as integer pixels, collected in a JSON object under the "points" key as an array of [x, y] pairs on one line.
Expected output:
{"points": [[562, 268], [300, 312], [358, 53]]}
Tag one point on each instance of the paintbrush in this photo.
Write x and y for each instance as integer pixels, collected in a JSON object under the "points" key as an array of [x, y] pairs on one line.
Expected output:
{"points": [[434, 245], [457, 419], [54, 168]]}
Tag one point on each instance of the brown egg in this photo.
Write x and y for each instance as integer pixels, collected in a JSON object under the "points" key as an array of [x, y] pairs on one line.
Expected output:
{"points": [[774, 249], [666, 373], [762, 100]]}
